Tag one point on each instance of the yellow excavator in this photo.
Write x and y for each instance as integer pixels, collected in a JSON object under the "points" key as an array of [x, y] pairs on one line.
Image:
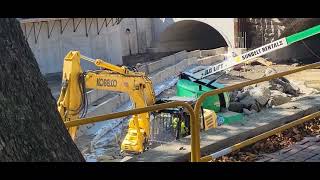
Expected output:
{"points": [[72, 103]]}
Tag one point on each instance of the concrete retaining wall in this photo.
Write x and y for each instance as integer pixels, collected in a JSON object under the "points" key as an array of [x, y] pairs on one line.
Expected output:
{"points": [[163, 62], [177, 57], [172, 71]]}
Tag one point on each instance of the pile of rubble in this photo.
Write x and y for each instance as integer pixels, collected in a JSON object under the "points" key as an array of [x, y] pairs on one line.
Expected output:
{"points": [[252, 99]]}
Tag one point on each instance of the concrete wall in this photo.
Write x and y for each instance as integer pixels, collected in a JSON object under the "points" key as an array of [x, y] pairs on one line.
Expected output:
{"points": [[50, 52], [140, 35]]}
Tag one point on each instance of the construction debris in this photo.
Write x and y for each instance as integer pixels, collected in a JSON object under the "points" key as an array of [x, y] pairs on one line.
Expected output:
{"points": [[278, 98], [248, 112], [260, 60], [236, 107], [260, 94], [254, 98], [282, 84]]}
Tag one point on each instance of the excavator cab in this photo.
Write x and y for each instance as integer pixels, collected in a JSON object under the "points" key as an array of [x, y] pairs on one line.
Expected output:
{"points": [[174, 123]]}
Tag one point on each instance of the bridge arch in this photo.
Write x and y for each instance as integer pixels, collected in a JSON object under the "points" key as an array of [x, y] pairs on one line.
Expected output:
{"points": [[189, 34]]}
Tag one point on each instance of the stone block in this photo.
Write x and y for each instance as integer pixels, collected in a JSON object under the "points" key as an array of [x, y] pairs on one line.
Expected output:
{"points": [[156, 78], [168, 60], [192, 61], [196, 53], [154, 66], [181, 66], [143, 68], [180, 56]]}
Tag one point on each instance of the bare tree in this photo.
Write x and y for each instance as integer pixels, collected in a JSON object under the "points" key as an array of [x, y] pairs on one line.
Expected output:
{"points": [[31, 128]]}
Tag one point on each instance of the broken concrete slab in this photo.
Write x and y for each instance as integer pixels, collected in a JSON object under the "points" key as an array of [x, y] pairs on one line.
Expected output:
{"points": [[227, 135], [260, 94], [278, 98], [236, 107]]}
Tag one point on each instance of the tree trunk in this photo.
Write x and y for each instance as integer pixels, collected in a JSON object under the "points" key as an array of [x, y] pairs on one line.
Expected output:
{"points": [[31, 128]]}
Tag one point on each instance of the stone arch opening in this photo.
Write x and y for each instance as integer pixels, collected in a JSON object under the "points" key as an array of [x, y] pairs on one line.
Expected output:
{"points": [[190, 35]]}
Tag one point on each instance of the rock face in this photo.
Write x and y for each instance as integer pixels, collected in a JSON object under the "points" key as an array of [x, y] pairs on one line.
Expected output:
{"points": [[265, 30], [261, 31]]}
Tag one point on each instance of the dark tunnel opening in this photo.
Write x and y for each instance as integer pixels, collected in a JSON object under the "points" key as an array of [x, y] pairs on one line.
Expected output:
{"points": [[190, 35]]}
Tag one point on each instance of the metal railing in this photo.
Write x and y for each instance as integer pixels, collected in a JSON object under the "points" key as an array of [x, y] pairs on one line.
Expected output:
{"points": [[195, 152], [259, 137], [195, 116], [197, 108]]}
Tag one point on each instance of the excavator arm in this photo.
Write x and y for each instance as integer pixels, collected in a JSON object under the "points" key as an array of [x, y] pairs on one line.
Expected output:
{"points": [[72, 102]]}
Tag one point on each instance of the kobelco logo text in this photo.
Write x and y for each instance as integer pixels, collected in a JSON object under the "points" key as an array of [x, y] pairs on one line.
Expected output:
{"points": [[106, 82]]}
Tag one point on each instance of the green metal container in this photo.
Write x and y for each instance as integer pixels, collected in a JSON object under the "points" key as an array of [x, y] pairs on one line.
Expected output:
{"points": [[186, 88], [230, 117]]}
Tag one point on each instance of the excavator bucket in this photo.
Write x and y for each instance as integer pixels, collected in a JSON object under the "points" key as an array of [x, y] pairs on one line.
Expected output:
{"points": [[135, 139]]}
